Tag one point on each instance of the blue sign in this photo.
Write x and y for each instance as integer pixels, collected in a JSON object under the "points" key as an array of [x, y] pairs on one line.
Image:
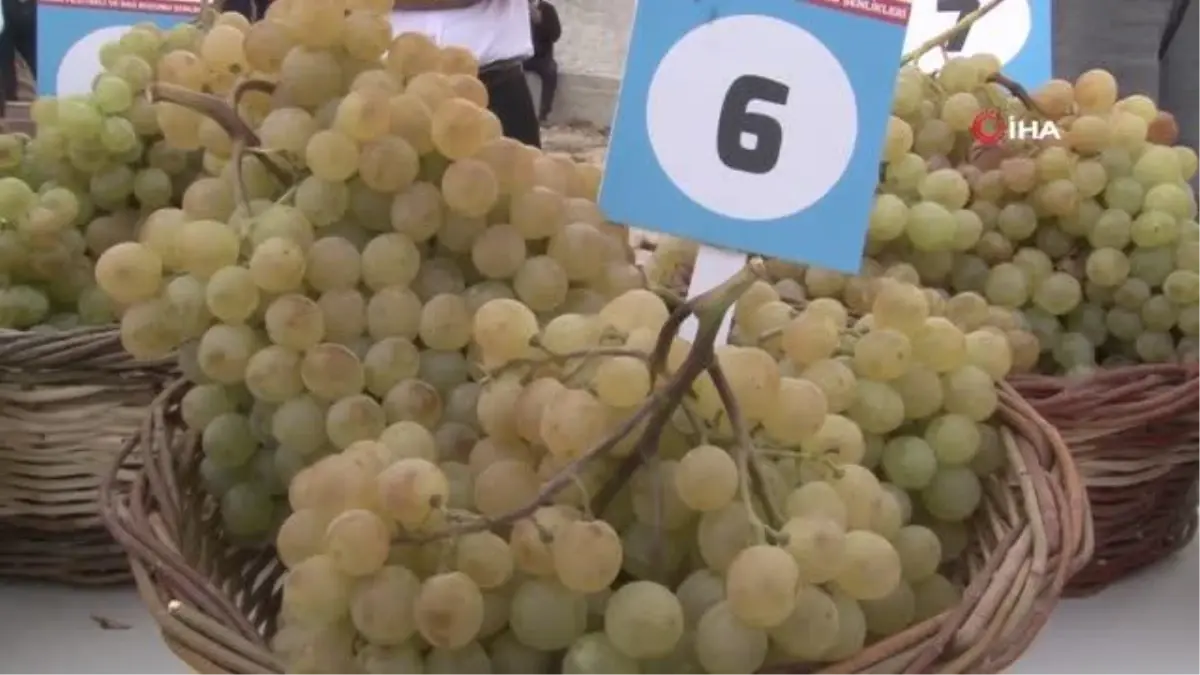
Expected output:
{"points": [[1018, 32], [70, 34], [755, 125]]}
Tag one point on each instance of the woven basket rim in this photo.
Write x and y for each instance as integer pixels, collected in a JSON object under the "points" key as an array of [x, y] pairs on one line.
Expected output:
{"points": [[1037, 534], [1135, 434], [82, 349]]}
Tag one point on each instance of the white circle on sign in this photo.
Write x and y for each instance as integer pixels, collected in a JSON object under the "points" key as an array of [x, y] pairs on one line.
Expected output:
{"points": [[1002, 32], [81, 64], [721, 65]]}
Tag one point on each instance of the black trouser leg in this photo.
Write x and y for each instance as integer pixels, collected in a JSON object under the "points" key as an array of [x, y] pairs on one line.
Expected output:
{"points": [[510, 100], [20, 24], [547, 71]]}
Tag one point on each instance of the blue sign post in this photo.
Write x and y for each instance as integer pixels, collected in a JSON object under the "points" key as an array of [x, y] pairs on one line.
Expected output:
{"points": [[755, 125], [71, 32], [1018, 32]]}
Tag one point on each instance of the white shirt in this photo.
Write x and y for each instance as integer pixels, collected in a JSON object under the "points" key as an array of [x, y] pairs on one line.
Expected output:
{"points": [[493, 30]]}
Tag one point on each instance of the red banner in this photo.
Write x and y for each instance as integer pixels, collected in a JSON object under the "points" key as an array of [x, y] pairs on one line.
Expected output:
{"points": [[187, 7], [892, 11]]}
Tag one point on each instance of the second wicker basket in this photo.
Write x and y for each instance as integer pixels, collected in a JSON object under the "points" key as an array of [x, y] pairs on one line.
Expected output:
{"points": [[1135, 434], [68, 401]]}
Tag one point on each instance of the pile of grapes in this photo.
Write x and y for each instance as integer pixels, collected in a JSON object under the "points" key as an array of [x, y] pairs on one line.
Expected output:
{"points": [[1092, 237], [96, 166], [429, 372]]}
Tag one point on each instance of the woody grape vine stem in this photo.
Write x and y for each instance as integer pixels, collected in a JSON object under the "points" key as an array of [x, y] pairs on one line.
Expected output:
{"points": [[709, 309], [945, 36]]}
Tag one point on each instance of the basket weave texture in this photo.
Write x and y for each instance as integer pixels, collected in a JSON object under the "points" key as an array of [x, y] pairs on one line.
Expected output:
{"points": [[68, 401], [1135, 434], [216, 604]]}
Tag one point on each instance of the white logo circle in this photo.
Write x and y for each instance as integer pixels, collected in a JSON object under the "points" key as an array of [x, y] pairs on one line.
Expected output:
{"points": [[789, 146], [81, 64], [1002, 32]]}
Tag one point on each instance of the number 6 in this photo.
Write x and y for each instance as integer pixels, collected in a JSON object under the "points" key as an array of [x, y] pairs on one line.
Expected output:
{"points": [[736, 120]]}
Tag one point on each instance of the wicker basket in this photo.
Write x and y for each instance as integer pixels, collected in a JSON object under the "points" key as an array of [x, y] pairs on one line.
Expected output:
{"points": [[1135, 434], [216, 604], [68, 401]]}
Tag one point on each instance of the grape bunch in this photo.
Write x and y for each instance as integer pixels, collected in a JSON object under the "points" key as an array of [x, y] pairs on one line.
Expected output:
{"points": [[96, 166], [1092, 236], [428, 371], [529, 551]]}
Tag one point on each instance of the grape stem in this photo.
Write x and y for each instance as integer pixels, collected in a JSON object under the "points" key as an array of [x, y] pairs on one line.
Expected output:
{"points": [[223, 114], [750, 477], [561, 359], [239, 178], [549, 490], [698, 429], [945, 36], [1018, 91], [246, 86], [709, 308]]}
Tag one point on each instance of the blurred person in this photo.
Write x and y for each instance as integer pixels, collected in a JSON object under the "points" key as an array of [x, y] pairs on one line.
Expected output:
{"points": [[547, 29], [498, 33], [251, 9], [18, 38], [1150, 47]]}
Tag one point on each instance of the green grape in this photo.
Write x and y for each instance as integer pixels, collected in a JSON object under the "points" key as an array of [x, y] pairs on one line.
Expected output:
{"points": [[954, 439], [118, 136], [1107, 266], [1125, 193], [953, 494], [78, 118], [889, 217], [1159, 314], [378, 659], [509, 655], [812, 627], [698, 592], [920, 552], [946, 187], [204, 403], [909, 462], [152, 188], [1157, 165], [227, 440], [892, 613], [231, 295], [852, 629], [1007, 286], [898, 141], [247, 510], [470, 658], [594, 653], [817, 544], [871, 566], [354, 418], [934, 595], [970, 391], [546, 615], [382, 606], [726, 645], [644, 620]]}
